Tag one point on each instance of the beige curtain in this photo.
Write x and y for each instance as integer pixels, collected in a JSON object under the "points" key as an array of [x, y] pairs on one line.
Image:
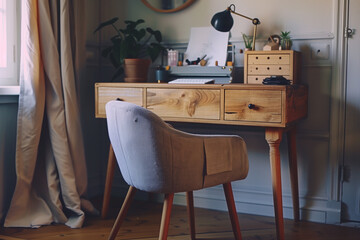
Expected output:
{"points": [[50, 159]]}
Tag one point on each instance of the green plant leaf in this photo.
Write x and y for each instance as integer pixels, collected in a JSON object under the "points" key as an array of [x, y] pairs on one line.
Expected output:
{"points": [[158, 36], [285, 35], [140, 34], [154, 50], [247, 40], [131, 25], [106, 23], [131, 41], [129, 22], [123, 51]]}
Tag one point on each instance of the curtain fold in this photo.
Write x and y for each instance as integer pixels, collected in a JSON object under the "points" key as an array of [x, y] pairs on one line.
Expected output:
{"points": [[50, 158]]}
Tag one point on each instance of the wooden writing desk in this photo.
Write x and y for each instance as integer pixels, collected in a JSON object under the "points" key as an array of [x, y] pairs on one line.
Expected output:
{"points": [[275, 108]]}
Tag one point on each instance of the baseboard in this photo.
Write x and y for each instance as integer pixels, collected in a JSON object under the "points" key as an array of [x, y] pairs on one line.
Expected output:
{"points": [[249, 202]]}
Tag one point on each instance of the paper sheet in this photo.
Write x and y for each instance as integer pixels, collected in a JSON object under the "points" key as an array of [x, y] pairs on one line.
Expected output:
{"points": [[207, 41]]}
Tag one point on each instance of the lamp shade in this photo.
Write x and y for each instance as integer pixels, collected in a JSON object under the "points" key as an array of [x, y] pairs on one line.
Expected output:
{"points": [[222, 21]]}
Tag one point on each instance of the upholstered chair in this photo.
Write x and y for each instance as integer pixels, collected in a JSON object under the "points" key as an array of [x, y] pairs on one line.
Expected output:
{"points": [[156, 158]]}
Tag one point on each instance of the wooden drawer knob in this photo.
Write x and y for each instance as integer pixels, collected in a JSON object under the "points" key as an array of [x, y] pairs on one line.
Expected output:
{"points": [[251, 106]]}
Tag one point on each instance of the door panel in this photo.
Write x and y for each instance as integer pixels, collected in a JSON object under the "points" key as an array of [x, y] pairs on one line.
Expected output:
{"points": [[351, 184]]}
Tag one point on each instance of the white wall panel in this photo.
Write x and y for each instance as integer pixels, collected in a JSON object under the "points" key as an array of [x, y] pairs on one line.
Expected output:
{"points": [[299, 17]]}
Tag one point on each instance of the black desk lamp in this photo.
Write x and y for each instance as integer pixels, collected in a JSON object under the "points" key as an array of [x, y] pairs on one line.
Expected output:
{"points": [[223, 21]]}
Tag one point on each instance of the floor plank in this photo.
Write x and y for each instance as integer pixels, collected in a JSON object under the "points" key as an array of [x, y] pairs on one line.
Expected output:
{"points": [[143, 223]]}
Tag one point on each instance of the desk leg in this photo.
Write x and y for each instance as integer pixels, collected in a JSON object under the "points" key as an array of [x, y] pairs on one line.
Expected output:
{"points": [[273, 137], [291, 136], [108, 182]]}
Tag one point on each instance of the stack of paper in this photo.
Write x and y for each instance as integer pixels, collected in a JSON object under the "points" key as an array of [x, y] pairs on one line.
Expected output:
{"points": [[207, 41]]}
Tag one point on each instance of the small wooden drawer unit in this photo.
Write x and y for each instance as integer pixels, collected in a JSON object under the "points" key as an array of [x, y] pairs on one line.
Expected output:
{"points": [[259, 65]]}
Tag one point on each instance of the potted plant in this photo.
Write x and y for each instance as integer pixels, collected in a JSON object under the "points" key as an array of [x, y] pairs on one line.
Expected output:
{"points": [[131, 49], [286, 42], [248, 41]]}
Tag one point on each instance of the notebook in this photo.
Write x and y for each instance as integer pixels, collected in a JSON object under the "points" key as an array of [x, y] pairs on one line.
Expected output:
{"points": [[193, 81]]}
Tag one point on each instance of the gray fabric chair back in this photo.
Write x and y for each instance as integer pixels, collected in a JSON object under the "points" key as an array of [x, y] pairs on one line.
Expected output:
{"points": [[155, 157]]}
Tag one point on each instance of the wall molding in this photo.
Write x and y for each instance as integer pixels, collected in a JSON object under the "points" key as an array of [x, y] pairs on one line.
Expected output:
{"points": [[302, 37]]}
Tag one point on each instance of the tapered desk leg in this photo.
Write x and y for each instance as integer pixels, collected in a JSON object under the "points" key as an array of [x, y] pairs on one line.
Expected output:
{"points": [[291, 136], [273, 137], [108, 182]]}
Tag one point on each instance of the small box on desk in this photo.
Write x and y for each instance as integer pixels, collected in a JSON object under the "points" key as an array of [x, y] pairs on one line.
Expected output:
{"points": [[259, 65]]}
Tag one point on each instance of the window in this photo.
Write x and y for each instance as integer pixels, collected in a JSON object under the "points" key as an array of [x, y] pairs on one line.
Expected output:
{"points": [[9, 29]]}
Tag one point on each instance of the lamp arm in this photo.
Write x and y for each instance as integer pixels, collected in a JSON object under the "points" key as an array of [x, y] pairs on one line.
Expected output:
{"points": [[254, 37], [251, 19], [255, 21]]}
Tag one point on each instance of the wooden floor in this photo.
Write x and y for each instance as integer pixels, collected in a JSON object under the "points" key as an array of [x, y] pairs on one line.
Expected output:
{"points": [[143, 223]]}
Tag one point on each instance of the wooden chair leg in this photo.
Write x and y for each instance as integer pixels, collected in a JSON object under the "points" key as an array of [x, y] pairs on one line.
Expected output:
{"points": [[165, 218], [191, 213], [121, 216], [108, 182], [232, 210]]}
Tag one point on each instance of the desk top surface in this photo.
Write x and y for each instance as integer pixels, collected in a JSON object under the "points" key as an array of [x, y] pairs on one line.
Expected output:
{"points": [[204, 86]]}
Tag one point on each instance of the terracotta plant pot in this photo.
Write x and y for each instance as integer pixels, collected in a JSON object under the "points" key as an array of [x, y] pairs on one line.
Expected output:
{"points": [[136, 69]]}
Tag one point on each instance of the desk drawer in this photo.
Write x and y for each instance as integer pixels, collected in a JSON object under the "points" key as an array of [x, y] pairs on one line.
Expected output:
{"points": [[269, 70], [184, 103], [106, 94], [258, 79], [266, 105], [278, 59]]}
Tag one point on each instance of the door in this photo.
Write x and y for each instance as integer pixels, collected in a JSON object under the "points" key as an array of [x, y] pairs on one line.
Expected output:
{"points": [[351, 184]]}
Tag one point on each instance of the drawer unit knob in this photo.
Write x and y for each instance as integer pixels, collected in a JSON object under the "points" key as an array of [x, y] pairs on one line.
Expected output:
{"points": [[251, 106]]}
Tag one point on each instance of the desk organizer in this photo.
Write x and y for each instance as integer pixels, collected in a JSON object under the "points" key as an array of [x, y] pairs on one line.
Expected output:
{"points": [[259, 65]]}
